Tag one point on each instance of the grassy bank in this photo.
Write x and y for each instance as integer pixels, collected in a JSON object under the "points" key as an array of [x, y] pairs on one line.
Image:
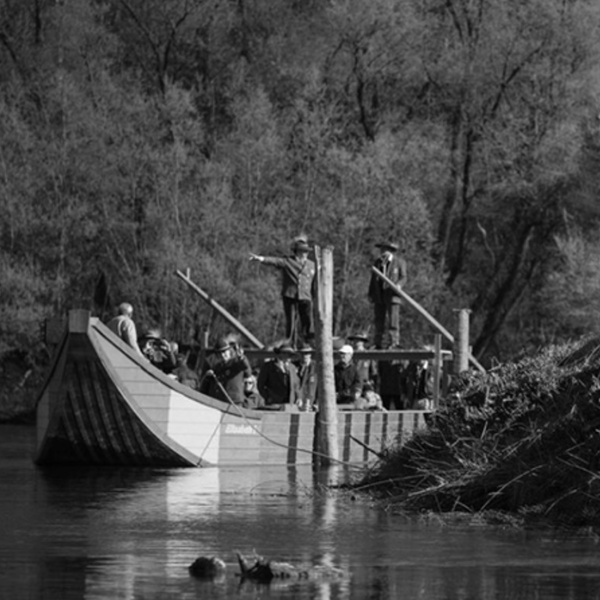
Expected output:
{"points": [[522, 439]]}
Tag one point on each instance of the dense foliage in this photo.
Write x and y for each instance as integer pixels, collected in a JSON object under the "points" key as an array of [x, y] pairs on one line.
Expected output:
{"points": [[142, 136], [523, 438]]}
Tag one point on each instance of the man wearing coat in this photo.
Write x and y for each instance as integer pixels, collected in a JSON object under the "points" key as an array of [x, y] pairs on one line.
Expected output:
{"points": [[278, 378], [298, 274], [386, 303]]}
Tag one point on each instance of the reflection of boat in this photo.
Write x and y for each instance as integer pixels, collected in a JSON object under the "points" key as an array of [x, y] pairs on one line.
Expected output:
{"points": [[104, 404]]}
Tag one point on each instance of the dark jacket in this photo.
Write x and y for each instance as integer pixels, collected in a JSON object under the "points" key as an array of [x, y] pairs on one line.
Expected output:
{"points": [[379, 291], [230, 375], [347, 382], [277, 386], [297, 278], [307, 377]]}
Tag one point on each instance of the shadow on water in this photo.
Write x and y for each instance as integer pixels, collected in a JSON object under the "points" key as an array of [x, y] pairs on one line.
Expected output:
{"points": [[98, 533]]}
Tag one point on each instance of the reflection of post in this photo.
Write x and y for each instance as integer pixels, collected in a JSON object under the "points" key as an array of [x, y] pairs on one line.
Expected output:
{"points": [[461, 341], [327, 442]]}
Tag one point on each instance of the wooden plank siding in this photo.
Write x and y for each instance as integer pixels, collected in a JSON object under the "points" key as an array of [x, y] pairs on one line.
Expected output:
{"points": [[103, 404]]}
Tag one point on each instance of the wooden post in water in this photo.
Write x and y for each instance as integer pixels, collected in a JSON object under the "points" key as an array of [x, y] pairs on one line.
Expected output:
{"points": [[437, 369], [461, 350], [327, 429]]}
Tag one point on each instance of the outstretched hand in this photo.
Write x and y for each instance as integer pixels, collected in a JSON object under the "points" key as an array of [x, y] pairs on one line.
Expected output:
{"points": [[254, 257]]}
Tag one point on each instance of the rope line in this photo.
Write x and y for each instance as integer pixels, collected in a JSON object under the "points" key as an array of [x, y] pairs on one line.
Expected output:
{"points": [[275, 442]]}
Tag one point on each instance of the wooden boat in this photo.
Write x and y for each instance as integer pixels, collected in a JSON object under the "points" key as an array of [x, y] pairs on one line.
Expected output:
{"points": [[103, 404]]}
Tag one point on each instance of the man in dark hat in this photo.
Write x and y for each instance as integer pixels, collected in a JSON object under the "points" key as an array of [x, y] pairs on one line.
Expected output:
{"points": [[298, 275], [307, 378], [278, 378], [386, 302], [367, 368], [224, 373], [158, 350]]}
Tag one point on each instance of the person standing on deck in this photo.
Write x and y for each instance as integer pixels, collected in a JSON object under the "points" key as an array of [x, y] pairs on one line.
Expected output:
{"points": [[367, 368], [278, 378], [123, 326], [225, 372], [386, 302], [307, 377], [348, 386], [298, 275]]}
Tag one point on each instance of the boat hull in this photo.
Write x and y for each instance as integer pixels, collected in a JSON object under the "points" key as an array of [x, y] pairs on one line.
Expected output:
{"points": [[102, 404]]}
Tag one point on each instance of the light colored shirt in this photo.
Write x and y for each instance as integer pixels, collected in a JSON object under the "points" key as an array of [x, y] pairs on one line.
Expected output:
{"points": [[124, 327]]}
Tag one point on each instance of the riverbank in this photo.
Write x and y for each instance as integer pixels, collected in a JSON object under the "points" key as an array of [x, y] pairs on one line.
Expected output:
{"points": [[521, 440]]}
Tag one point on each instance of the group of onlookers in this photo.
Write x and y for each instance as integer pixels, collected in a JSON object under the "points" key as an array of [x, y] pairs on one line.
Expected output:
{"points": [[288, 378]]}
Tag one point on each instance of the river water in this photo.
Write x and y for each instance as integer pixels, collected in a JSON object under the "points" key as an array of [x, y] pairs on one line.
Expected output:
{"points": [[105, 533]]}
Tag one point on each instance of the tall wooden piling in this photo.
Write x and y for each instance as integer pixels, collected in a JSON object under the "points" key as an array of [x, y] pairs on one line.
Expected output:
{"points": [[327, 427], [461, 349]]}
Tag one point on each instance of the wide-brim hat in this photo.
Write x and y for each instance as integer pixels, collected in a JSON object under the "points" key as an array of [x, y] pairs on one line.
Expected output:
{"points": [[285, 349], [222, 345], [305, 349], [388, 246], [301, 246], [359, 336], [152, 334]]}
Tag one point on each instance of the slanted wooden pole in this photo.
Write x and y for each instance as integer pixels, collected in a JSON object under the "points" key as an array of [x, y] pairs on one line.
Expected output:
{"points": [[327, 427], [461, 349], [429, 318], [214, 304]]}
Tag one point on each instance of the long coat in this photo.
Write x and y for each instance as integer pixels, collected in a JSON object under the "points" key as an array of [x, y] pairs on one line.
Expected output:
{"points": [[277, 385], [297, 277], [379, 291]]}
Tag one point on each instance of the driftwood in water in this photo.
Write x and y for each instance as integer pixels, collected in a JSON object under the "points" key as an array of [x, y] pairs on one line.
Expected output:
{"points": [[207, 568], [264, 571]]}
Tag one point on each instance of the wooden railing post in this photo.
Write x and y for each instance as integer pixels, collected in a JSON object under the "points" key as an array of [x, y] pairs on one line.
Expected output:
{"points": [[461, 349], [327, 428], [437, 369]]}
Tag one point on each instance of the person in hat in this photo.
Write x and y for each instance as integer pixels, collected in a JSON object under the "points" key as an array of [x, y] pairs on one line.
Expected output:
{"points": [[298, 276], [307, 378], [183, 373], [123, 326], [252, 398], [278, 378], [386, 302], [225, 371], [367, 368], [158, 351], [348, 386]]}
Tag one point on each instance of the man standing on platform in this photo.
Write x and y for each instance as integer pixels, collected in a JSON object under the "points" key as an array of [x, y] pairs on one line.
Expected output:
{"points": [[298, 274], [386, 302]]}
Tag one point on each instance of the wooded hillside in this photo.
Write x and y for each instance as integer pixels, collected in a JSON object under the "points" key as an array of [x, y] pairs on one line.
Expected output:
{"points": [[138, 137]]}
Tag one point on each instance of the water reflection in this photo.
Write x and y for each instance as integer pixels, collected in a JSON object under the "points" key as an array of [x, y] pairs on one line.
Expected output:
{"points": [[127, 533]]}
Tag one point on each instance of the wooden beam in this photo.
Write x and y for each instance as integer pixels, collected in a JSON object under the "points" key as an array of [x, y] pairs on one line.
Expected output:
{"points": [[327, 429], [226, 315], [429, 318]]}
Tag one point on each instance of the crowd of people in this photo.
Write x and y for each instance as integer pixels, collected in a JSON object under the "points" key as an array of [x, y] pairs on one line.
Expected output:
{"points": [[290, 377]]}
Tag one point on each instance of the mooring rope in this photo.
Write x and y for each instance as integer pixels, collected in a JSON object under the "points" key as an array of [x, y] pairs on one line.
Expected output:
{"points": [[270, 440]]}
